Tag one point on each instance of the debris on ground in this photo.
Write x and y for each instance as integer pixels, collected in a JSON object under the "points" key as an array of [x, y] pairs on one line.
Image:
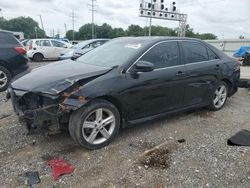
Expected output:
{"points": [[242, 138], [181, 141], [30, 178], [60, 167], [158, 157]]}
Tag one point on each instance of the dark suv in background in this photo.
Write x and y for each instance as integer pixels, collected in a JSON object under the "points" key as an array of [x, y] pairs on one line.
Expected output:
{"points": [[13, 59]]}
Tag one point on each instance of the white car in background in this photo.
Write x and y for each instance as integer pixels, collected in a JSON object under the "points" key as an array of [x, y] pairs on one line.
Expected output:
{"points": [[40, 49]]}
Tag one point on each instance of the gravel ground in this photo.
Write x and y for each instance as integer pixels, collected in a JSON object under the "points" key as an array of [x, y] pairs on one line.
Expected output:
{"points": [[203, 160]]}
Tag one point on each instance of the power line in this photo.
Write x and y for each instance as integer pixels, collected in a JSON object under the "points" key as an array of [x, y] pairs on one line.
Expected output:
{"points": [[93, 6]]}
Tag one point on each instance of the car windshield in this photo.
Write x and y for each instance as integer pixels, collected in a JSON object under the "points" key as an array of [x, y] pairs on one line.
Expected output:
{"points": [[113, 53], [82, 44]]}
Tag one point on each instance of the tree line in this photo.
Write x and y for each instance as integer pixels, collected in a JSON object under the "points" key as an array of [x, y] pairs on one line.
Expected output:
{"points": [[31, 29], [107, 31]]}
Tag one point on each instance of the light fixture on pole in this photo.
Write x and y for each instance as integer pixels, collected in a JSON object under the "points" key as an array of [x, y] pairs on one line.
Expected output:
{"points": [[157, 9]]}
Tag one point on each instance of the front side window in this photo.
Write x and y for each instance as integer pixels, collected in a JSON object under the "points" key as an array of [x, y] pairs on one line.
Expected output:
{"points": [[57, 44], [194, 52], [45, 43], [96, 44], [211, 55], [163, 55]]}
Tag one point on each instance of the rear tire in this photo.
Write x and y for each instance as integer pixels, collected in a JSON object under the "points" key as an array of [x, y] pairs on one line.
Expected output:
{"points": [[38, 57], [219, 98], [95, 125], [5, 78]]}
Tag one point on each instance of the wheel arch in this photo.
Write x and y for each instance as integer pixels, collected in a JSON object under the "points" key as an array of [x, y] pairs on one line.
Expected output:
{"points": [[118, 105], [229, 84], [2, 63], [37, 53]]}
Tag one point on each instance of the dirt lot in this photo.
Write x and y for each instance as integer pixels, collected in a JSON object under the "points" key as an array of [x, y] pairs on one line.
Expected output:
{"points": [[204, 160]]}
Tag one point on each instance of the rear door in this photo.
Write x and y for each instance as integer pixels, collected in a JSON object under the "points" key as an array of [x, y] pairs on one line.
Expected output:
{"points": [[162, 90], [58, 48], [203, 69], [46, 49]]}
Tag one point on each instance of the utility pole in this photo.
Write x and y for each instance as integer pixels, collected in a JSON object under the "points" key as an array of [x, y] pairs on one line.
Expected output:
{"points": [[93, 10], [73, 16], [65, 27], [150, 19], [41, 22]]}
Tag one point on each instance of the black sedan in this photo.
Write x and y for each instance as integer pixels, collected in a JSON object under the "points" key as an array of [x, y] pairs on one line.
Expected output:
{"points": [[123, 82]]}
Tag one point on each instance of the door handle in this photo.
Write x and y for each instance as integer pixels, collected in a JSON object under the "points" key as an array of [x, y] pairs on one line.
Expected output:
{"points": [[180, 73], [217, 67]]}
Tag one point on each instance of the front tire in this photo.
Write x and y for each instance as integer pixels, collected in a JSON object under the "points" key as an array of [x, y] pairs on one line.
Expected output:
{"points": [[95, 125], [219, 98], [5, 77]]}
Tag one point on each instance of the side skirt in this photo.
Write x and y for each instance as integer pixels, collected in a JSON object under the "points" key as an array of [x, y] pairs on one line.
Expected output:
{"points": [[150, 118]]}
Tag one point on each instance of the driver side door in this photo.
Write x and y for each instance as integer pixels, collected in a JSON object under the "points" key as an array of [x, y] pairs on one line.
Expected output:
{"points": [[158, 91]]}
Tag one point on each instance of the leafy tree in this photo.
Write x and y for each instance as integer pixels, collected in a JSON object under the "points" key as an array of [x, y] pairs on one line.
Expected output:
{"points": [[69, 35], [27, 25], [104, 31], [85, 32], [118, 32], [207, 36], [162, 31], [135, 30], [3, 23]]}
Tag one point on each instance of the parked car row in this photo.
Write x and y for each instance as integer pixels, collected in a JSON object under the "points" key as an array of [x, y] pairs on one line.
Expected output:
{"points": [[82, 48], [55, 49], [50, 49]]}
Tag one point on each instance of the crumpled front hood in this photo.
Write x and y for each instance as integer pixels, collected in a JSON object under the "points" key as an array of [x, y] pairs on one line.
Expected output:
{"points": [[56, 77]]}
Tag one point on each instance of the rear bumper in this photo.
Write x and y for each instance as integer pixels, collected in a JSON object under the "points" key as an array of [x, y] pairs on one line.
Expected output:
{"points": [[21, 69], [244, 83], [235, 79]]}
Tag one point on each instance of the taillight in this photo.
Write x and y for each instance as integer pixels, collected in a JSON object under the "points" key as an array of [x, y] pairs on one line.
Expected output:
{"points": [[30, 47], [20, 50]]}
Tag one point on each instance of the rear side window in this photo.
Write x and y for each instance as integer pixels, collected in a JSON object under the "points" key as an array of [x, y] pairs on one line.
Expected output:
{"points": [[57, 44], [163, 55], [6, 38], [194, 52]]}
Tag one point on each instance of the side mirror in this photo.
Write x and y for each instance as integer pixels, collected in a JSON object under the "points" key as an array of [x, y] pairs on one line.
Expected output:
{"points": [[144, 66], [65, 46]]}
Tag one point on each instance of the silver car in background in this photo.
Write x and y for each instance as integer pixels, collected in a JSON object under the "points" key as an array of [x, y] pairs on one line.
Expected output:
{"points": [[82, 48]]}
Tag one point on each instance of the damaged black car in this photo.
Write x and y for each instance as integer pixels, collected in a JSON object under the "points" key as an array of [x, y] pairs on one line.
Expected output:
{"points": [[125, 81]]}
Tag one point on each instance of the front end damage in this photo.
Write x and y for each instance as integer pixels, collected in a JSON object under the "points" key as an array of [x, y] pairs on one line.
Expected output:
{"points": [[44, 113]]}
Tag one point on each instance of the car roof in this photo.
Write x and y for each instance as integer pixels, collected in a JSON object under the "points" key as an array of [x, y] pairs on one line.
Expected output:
{"points": [[5, 32], [157, 39]]}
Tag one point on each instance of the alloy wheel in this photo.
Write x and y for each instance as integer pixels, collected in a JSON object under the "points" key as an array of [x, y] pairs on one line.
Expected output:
{"points": [[3, 79], [220, 96], [98, 126]]}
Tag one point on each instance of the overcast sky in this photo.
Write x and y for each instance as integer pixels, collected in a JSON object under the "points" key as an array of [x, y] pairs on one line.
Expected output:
{"points": [[225, 18]]}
